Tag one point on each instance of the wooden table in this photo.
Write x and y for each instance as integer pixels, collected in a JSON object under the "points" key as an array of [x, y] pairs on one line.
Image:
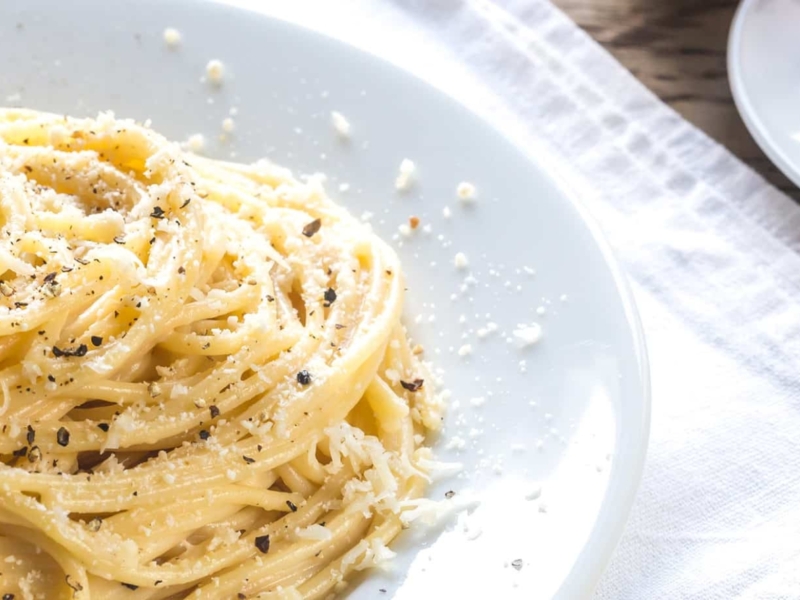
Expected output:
{"points": [[677, 49]]}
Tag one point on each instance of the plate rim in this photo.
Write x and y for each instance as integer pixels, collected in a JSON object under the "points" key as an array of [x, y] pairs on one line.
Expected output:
{"points": [[741, 99], [605, 536]]}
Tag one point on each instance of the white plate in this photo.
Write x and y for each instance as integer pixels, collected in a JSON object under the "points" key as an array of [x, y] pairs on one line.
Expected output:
{"points": [[575, 423], [764, 72]]}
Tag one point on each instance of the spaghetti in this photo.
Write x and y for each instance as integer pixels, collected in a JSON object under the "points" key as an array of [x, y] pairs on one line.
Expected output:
{"points": [[205, 387]]}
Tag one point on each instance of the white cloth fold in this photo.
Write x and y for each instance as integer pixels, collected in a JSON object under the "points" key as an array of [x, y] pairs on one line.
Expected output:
{"points": [[712, 253]]}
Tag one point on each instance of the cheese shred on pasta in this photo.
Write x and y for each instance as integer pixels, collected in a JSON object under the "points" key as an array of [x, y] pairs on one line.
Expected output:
{"points": [[205, 387]]}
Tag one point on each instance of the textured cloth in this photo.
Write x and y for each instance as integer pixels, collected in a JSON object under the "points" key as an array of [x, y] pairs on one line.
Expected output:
{"points": [[712, 254]]}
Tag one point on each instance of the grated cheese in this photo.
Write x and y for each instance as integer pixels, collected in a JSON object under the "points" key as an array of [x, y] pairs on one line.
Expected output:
{"points": [[528, 335], [215, 71], [487, 330], [340, 124], [405, 177], [172, 37], [456, 443], [195, 143], [314, 532], [461, 261], [466, 192]]}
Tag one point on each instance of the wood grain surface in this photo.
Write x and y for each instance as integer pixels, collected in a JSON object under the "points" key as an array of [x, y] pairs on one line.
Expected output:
{"points": [[677, 48]]}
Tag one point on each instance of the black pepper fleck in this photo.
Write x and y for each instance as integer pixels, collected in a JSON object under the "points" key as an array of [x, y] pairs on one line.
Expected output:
{"points": [[214, 411], [131, 586], [330, 297], [248, 460], [204, 435], [412, 386], [96, 340], [103, 426], [30, 435], [62, 437], [312, 228], [262, 543], [304, 377], [78, 351], [292, 506], [158, 213]]}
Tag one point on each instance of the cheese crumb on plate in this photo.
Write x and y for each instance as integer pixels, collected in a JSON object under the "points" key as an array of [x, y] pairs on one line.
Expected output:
{"points": [[215, 71], [340, 124], [405, 177], [466, 192], [172, 37], [528, 335], [195, 143]]}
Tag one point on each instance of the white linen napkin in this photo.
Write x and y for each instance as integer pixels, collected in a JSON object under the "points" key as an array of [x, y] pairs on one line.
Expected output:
{"points": [[712, 253]]}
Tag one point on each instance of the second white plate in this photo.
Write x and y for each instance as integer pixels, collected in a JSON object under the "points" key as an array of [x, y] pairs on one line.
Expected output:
{"points": [[764, 72]]}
